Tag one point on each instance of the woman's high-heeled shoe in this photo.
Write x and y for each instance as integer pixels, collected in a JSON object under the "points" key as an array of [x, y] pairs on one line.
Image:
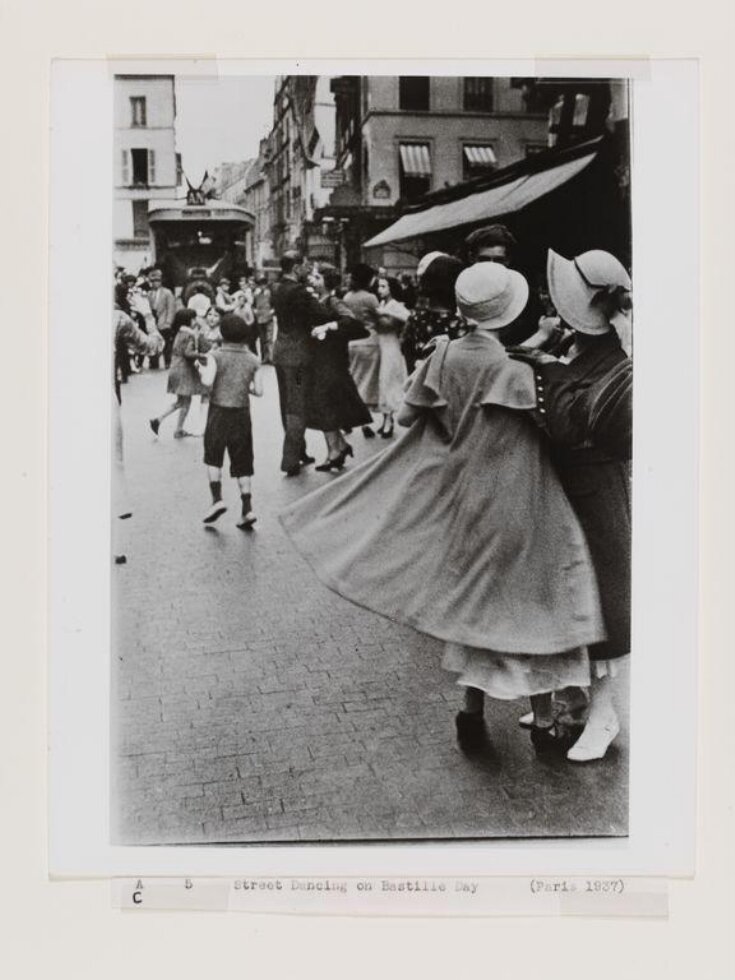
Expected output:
{"points": [[552, 739], [595, 740], [471, 730], [387, 431], [337, 463], [368, 432]]}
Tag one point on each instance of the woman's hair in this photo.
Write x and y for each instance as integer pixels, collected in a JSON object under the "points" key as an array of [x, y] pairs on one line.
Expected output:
{"points": [[121, 296], [330, 274], [395, 287], [437, 283], [362, 275], [183, 318]]}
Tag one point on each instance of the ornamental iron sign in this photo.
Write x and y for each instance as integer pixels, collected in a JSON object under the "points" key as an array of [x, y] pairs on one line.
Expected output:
{"points": [[381, 190]]}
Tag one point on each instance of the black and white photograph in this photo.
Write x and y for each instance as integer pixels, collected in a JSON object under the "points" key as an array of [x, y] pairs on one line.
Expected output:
{"points": [[371, 478]]}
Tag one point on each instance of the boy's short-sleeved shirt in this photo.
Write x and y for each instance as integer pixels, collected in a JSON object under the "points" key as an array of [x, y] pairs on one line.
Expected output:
{"points": [[236, 367]]}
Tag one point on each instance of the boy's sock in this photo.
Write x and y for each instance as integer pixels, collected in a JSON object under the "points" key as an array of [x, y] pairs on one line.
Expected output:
{"points": [[248, 517], [216, 488]]}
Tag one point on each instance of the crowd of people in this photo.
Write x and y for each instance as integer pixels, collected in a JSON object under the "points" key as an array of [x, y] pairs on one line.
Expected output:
{"points": [[500, 521]]}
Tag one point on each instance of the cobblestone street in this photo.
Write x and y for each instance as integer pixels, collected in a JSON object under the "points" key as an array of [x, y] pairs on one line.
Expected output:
{"points": [[252, 704]]}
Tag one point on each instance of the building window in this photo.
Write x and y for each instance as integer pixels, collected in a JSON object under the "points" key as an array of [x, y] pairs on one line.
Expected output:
{"points": [[477, 159], [138, 168], [138, 111], [415, 170], [140, 219], [478, 94], [413, 93]]}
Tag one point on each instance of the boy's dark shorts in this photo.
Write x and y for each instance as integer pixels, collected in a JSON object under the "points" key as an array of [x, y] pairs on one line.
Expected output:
{"points": [[229, 429]]}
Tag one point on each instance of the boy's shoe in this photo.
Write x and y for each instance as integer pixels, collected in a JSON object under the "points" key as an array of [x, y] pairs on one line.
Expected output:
{"points": [[155, 425], [216, 510], [247, 521]]}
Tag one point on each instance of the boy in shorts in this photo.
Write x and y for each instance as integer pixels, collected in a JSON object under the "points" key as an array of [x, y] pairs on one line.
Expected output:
{"points": [[228, 423]]}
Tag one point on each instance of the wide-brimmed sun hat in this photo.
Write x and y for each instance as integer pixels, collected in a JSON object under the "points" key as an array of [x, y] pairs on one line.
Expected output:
{"points": [[590, 291], [491, 295]]}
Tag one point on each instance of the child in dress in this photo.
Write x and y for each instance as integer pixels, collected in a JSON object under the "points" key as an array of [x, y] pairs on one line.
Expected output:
{"points": [[228, 422], [461, 528], [188, 349]]}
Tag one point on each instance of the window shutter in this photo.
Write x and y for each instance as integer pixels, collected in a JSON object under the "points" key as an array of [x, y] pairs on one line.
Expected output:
{"points": [[151, 166], [126, 168]]}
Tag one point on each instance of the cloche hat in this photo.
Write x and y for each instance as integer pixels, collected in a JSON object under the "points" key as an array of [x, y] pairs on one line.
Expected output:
{"points": [[590, 291], [491, 295]]}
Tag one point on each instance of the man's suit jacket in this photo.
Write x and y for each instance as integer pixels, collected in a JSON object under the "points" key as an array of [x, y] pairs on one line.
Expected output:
{"points": [[297, 311], [163, 305]]}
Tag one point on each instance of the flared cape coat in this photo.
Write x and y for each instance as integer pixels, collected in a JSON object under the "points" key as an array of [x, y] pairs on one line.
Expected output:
{"points": [[461, 528]]}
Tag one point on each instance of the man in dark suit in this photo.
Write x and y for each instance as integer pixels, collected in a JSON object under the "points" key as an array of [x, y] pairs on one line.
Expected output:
{"points": [[495, 243], [297, 312]]}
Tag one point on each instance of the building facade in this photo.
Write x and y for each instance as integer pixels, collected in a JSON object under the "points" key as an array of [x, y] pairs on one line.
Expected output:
{"points": [[401, 137], [230, 181], [146, 165], [296, 155], [257, 200], [583, 174]]}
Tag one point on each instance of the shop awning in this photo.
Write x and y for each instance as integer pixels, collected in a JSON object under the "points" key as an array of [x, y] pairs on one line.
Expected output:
{"points": [[480, 156], [482, 205], [415, 159]]}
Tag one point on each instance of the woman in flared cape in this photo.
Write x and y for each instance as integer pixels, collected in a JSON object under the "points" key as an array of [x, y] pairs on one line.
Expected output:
{"points": [[461, 529]]}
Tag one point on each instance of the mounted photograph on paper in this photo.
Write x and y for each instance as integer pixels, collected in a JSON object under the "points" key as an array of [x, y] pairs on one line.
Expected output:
{"points": [[372, 443]]}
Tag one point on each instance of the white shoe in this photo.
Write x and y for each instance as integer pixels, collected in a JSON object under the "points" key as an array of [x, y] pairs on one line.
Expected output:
{"points": [[595, 740], [247, 521], [216, 510]]}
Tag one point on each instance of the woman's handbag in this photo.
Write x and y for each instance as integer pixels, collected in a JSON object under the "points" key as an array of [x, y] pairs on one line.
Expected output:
{"points": [[207, 370]]}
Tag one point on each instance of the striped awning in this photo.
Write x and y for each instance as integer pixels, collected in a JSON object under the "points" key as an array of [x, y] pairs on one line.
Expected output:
{"points": [[415, 159], [482, 205], [480, 156]]}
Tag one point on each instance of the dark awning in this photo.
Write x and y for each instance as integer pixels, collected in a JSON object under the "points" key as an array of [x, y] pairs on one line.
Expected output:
{"points": [[492, 202]]}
